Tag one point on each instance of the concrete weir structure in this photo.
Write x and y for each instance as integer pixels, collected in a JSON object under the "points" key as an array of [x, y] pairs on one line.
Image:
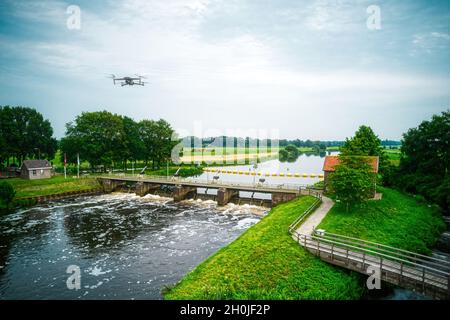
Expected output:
{"points": [[181, 189]]}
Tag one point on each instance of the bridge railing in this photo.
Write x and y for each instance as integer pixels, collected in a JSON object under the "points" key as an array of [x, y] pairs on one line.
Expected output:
{"points": [[294, 225], [301, 188], [382, 248], [404, 263]]}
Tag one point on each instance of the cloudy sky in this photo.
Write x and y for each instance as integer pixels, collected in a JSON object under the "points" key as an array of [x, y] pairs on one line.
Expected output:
{"points": [[310, 69]]}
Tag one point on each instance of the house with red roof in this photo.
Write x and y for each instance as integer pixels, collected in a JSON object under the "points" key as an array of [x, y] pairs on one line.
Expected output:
{"points": [[331, 162]]}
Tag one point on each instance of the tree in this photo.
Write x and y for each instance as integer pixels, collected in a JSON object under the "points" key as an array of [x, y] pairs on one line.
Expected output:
{"points": [[352, 181], [157, 138], [98, 137], [134, 147], [290, 153], [366, 143], [25, 133], [425, 160], [7, 193]]}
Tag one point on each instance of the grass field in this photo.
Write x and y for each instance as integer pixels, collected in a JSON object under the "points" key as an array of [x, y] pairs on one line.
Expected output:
{"points": [[265, 263], [397, 220], [54, 185], [393, 156]]}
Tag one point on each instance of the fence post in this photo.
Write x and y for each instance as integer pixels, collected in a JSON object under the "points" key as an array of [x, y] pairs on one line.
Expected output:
{"points": [[332, 252], [423, 280], [401, 273], [363, 261]]}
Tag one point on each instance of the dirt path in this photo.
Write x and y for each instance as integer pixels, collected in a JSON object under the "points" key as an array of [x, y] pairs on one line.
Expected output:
{"points": [[316, 217]]}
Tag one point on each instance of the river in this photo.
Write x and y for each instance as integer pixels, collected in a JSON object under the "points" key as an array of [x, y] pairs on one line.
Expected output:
{"points": [[126, 247]]}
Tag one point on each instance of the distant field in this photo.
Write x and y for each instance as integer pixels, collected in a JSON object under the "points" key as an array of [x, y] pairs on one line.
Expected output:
{"points": [[211, 151], [393, 156]]}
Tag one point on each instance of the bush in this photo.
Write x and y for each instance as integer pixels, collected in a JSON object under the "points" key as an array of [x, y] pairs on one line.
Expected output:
{"points": [[7, 192]]}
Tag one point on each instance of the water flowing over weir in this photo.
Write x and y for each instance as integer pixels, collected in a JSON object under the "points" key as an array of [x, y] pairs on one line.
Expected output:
{"points": [[127, 247]]}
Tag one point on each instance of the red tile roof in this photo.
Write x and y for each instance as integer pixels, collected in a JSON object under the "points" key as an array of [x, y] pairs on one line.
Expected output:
{"points": [[332, 161]]}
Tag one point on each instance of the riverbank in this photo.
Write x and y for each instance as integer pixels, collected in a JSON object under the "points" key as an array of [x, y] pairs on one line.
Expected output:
{"points": [[397, 220], [30, 192], [265, 263]]}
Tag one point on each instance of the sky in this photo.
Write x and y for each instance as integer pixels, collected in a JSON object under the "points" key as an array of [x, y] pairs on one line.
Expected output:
{"points": [[305, 69]]}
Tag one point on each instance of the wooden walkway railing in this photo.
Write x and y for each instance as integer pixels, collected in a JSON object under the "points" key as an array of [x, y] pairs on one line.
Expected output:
{"points": [[423, 274]]}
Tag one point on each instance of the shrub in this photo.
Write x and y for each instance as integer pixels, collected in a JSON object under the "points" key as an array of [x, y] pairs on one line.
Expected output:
{"points": [[7, 192]]}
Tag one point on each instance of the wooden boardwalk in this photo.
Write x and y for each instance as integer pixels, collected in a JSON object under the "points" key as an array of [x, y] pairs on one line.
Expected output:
{"points": [[423, 274]]}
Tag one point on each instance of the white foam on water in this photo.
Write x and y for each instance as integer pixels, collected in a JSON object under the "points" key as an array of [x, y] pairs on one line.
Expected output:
{"points": [[246, 223]]}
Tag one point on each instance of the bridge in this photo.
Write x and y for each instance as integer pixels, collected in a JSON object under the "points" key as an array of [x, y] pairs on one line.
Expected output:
{"points": [[423, 274], [184, 188]]}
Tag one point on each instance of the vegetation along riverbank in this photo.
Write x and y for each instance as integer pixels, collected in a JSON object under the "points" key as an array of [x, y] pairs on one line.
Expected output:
{"points": [[266, 263]]}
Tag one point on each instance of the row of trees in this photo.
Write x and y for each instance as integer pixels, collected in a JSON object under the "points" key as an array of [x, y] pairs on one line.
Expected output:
{"points": [[111, 140], [24, 133]]}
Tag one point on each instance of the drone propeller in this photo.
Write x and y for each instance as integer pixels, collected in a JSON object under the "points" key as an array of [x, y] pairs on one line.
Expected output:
{"points": [[139, 76]]}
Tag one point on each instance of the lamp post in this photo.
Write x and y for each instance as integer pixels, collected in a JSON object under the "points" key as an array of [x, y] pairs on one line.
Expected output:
{"points": [[255, 166]]}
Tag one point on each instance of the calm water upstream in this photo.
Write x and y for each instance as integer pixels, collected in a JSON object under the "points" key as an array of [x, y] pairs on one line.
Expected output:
{"points": [[127, 247]]}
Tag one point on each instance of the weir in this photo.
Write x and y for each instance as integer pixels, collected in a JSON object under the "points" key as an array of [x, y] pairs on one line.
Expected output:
{"points": [[187, 188]]}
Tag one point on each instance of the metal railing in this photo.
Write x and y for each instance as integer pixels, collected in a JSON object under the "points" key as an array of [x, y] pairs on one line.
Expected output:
{"points": [[306, 213], [402, 265], [300, 188]]}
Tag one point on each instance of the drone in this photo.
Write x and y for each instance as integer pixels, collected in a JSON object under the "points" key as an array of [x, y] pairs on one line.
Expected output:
{"points": [[129, 81]]}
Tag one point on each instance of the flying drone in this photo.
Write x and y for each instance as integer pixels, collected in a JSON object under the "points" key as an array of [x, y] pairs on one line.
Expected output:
{"points": [[129, 81]]}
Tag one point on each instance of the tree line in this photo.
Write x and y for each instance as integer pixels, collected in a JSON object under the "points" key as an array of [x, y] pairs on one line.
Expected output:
{"points": [[110, 140]]}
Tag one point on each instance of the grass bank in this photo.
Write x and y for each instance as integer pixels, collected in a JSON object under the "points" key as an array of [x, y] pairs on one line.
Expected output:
{"points": [[265, 263], [398, 220], [54, 185]]}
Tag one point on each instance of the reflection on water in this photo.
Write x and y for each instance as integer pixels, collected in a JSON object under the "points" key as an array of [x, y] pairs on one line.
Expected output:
{"points": [[126, 247]]}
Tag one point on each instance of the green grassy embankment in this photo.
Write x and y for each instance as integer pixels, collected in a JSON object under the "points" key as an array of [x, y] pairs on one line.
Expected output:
{"points": [[265, 263], [54, 185], [398, 220]]}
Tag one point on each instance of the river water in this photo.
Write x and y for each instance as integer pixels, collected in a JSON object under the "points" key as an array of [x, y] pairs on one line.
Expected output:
{"points": [[126, 247]]}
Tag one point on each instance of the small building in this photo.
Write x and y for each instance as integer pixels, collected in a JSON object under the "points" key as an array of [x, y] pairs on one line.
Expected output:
{"points": [[36, 169], [332, 161]]}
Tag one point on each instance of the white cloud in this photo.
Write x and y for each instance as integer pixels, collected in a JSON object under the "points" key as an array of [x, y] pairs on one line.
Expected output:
{"points": [[234, 78]]}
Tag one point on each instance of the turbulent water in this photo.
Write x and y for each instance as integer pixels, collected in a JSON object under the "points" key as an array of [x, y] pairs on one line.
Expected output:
{"points": [[126, 247]]}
